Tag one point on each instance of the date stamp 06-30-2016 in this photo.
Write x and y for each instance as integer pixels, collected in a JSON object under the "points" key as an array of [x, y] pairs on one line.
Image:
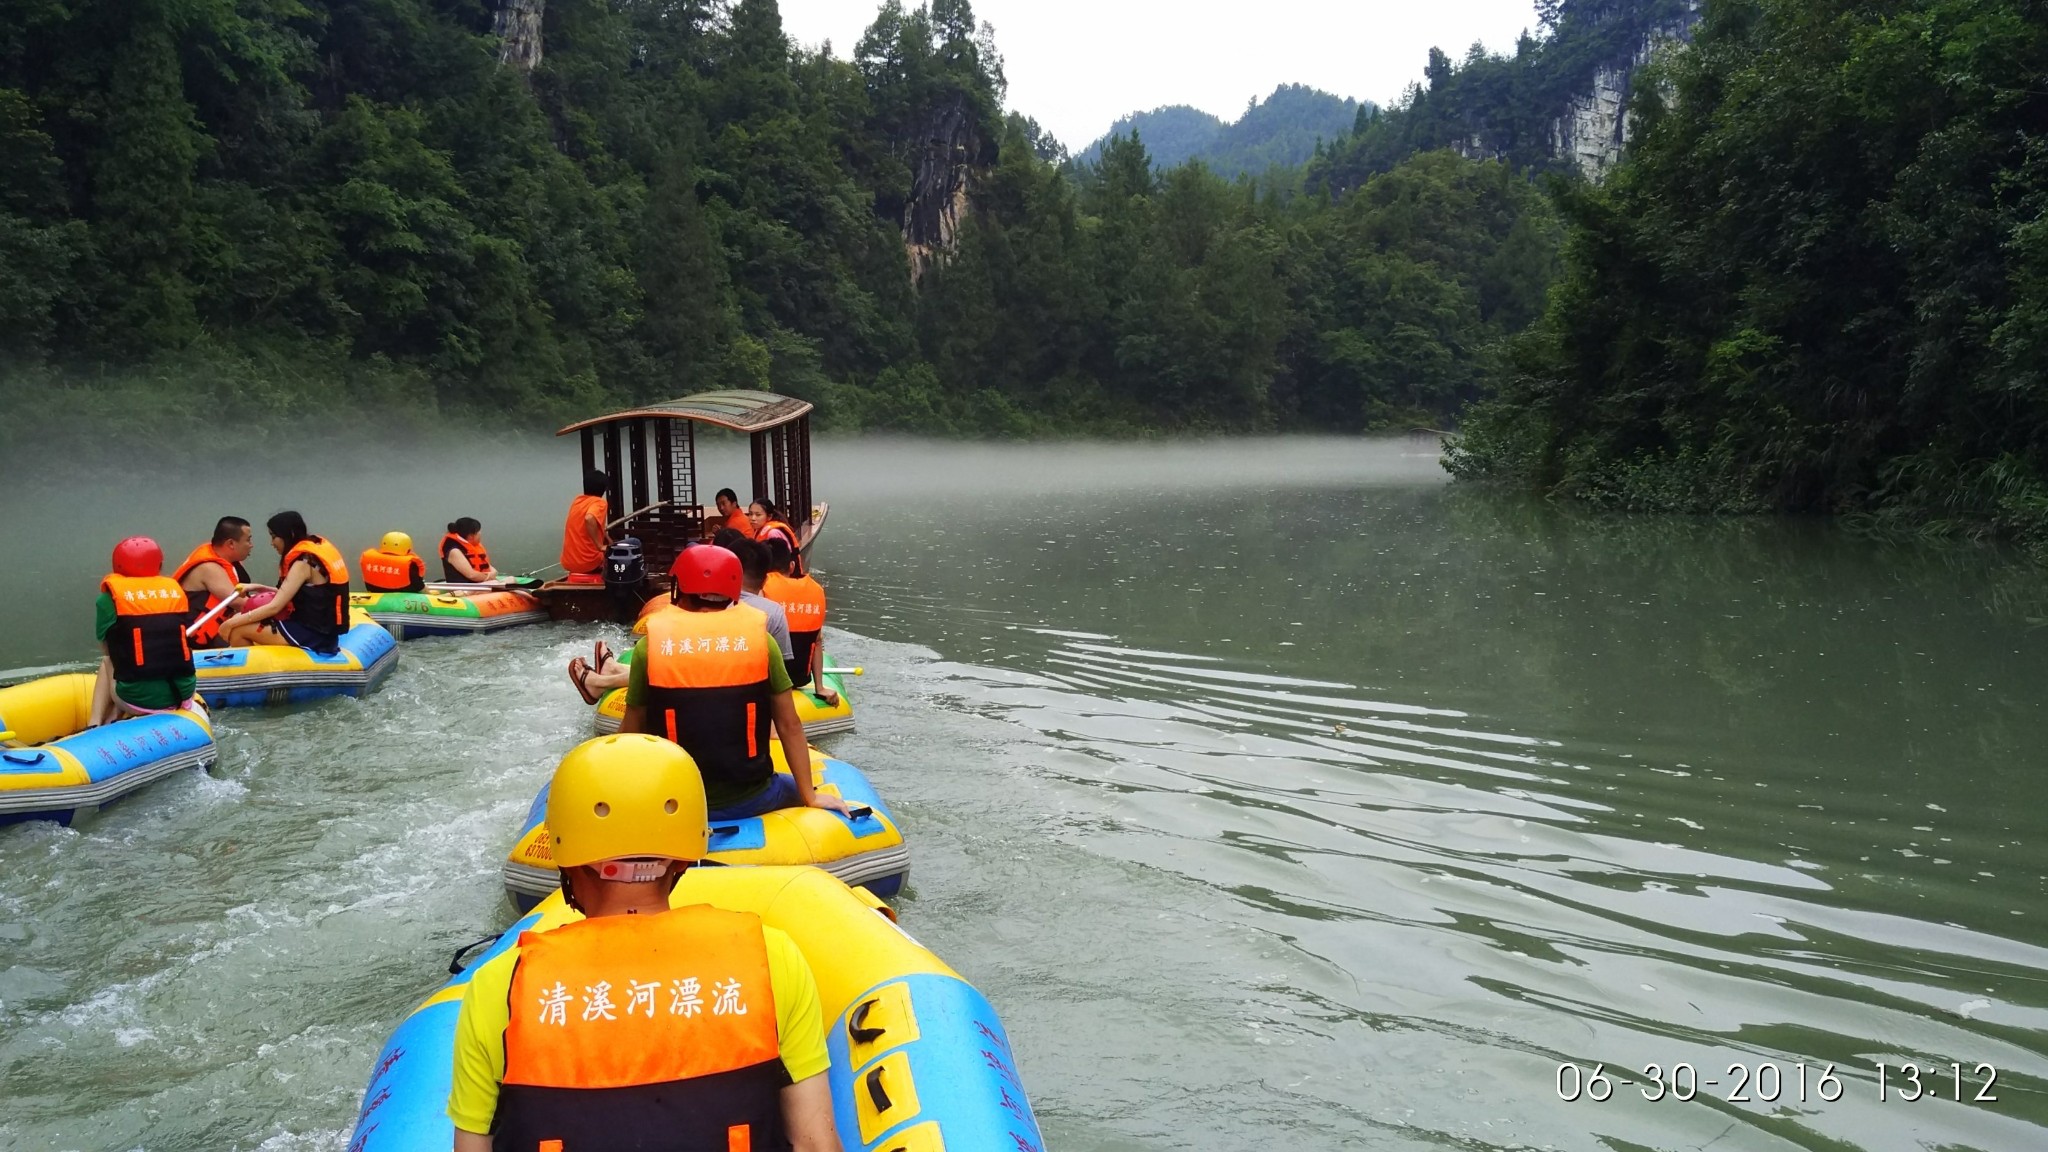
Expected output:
{"points": [[1770, 1082]]}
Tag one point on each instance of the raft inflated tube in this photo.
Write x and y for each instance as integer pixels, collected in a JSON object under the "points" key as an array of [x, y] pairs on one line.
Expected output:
{"points": [[920, 1060], [449, 612], [281, 674], [866, 849], [817, 717], [65, 768]]}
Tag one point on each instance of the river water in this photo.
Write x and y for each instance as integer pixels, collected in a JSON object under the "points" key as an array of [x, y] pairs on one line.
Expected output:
{"points": [[1277, 793]]}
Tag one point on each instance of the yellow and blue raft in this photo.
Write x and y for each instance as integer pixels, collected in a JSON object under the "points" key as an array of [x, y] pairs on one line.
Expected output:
{"points": [[920, 1061], [277, 674], [865, 849], [819, 718], [52, 766], [449, 612]]}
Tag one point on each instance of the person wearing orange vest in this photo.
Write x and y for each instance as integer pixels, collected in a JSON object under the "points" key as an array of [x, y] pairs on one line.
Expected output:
{"points": [[642, 1026], [803, 602], [731, 515], [147, 665], [585, 535], [312, 581], [463, 559], [213, 573], [767, 522], [392, 567], [707, 677]]}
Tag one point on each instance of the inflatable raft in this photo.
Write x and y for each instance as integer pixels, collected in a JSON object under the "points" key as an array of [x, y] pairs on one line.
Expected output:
{"points": [[920, 1061], [818, 718], [54, 767], [866, 850], [409, 615], [276, 674]]}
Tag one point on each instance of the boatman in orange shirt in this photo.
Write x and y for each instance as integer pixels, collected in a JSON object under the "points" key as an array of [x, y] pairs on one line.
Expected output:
{"points": [[641, 1026], [734, 516], [585, 535]]}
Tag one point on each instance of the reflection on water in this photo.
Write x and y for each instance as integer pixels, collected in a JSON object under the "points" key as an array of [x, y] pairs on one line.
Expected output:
{"points": [[1278, 795]]}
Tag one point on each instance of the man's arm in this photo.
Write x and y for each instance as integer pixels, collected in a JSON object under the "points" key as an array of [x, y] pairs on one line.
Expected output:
{"points": [[635, 719], [595, 530], [797, 752], [218, 582], [806, 1117], [481, 1141]]}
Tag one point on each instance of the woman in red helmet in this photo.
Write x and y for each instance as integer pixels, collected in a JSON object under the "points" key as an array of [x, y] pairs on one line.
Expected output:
{"points": [[708, 677], [140, 621]]}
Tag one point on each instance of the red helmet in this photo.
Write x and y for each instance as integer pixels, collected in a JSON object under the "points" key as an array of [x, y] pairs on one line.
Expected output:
{"points": [[707, 570], [138, 556]]}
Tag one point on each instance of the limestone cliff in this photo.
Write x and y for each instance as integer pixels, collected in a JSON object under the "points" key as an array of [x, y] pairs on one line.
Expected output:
{"points": [[517, 27], [949, 148], [1591, 130]]}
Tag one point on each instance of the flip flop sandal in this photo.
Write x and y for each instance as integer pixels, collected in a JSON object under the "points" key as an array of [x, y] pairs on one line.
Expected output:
{"points": [[599, 656], [579, 674]]}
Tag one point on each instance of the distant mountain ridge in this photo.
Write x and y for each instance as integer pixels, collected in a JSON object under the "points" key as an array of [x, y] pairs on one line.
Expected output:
{"points": [[1282, 130]]}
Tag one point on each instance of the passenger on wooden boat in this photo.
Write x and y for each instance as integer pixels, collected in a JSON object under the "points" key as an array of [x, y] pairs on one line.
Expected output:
{"points": [[212, 573], [731, 515], [767, 521], [584, 535], [310, 609], [642, 1026], [463, 559], [803, 602], [146, 666], [707, 677], [392, 566]]}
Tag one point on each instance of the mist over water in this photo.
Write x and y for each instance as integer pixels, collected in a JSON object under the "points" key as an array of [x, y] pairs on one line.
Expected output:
{"points": [[1278, 795]]}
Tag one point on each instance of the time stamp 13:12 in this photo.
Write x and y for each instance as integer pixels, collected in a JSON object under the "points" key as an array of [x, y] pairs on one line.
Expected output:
{"points": [[1770, 1082]]}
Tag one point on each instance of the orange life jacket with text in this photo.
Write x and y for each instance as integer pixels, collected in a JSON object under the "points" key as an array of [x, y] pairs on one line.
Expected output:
{"points": [[479, 559], [206, 554], [383, 572], [147, 641], [707, 689], [320, 610], [579, 555], [803, 601], [655, 1033]]}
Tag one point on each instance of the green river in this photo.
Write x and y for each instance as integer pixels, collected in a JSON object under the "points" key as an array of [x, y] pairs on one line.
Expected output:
{"points": [[1278, 793]]}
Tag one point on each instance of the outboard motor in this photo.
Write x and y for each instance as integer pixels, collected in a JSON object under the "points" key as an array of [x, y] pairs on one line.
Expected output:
{"points": [[625, 568]]}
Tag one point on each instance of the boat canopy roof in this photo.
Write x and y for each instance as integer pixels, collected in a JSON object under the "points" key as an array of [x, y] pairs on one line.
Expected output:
{"points": [[740, 409]]}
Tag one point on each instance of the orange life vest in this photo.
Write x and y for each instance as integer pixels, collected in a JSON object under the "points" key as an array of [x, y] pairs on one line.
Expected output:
{"points": [[479, 559], [383, 572], [579, 555], [147, 641], [651, 1032], [207, 554], [771, 527], [803, 601], [319, 609], [707, 690]]}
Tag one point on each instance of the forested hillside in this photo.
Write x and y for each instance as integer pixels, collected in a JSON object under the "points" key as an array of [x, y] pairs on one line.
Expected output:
{"points": [[274, 216], [1281, 132], [1818, 282]]}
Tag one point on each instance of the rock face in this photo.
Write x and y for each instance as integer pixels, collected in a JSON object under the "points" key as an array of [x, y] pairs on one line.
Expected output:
{"points": [[1594, 125], [951, 145], [517, 27]]}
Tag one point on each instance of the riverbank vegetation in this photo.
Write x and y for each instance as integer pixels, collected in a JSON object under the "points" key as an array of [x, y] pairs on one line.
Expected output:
{"points": [[1818, 281], [273, 216]]}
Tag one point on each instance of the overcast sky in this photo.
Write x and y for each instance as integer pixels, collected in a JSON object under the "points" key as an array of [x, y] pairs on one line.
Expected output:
{"points": [[1077, 65]]}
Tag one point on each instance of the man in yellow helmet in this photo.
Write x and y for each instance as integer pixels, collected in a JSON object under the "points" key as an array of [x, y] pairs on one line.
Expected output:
{"points": [[392, 566], [642, 1026]]}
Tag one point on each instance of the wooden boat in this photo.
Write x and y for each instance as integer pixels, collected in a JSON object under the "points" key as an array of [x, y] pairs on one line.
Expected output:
{"points": [[650, 453]]}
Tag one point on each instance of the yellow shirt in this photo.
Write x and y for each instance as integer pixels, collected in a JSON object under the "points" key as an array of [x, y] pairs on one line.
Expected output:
{"points": [[486, 1012]]}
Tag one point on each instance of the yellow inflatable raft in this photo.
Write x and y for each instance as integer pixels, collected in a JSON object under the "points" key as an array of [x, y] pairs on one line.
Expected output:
{"points": [[866, 849], [52, 766], [278, 674], [920, 1060]]}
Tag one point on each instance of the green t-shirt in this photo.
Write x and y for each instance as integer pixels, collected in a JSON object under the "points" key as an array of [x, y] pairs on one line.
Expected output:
{"points": [[715, 794], [155, 695]]}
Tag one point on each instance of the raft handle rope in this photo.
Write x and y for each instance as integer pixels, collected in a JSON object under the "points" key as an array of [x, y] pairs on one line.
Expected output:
{"points": [[859, 814], [455, 962], [856, 1025], [875, 1092], [30, 758]]}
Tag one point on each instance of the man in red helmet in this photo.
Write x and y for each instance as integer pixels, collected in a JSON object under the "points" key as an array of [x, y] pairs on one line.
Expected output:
{"points": [[140, 618], [707, 677]]}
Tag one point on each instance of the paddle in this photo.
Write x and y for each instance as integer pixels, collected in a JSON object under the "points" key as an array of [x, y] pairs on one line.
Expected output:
{"points": [[212, 613]]}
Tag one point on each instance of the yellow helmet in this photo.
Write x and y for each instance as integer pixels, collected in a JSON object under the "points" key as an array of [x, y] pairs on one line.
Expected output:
{"points": [[627, 795], [396, 543]]}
